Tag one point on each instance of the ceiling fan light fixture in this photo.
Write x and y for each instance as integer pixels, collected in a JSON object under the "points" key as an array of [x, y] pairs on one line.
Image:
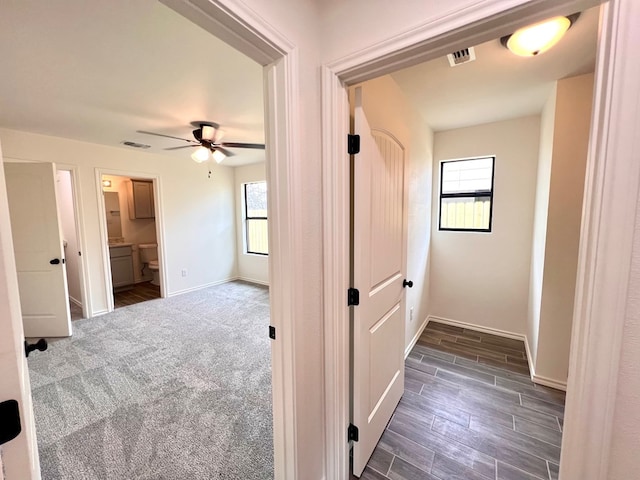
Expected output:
{"points": [[538, 38], [208, 132], [218, 156], [202, 154]]}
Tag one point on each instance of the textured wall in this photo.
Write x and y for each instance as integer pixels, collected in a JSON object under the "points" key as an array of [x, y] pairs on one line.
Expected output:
{"points": [[483, 278], [564, 216]]}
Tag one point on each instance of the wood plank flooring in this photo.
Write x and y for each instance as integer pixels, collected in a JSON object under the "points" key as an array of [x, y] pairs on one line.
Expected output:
{"points": [[470, 411], [141, 292]]}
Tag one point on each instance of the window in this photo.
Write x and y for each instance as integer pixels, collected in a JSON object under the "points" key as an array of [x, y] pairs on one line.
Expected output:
{"points": [[466, 194], [255, 216]]}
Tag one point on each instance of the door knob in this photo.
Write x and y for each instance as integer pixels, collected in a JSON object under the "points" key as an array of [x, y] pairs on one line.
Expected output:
{"points": [[39, 345], [55, 261], [407, 283]]}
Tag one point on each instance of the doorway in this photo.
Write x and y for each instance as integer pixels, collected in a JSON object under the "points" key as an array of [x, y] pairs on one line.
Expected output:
{"points": [[583, 365], [67, 195], [454, 248], [130, 220]]}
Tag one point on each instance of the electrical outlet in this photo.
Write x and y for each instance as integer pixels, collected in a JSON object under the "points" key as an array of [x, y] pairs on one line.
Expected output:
{"points": [[184, 272], [411, 314]]}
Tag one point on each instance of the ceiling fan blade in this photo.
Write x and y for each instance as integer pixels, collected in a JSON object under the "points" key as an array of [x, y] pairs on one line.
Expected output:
{"points": [[182, 146], [167, 136], [258, 146], [227, 153]]}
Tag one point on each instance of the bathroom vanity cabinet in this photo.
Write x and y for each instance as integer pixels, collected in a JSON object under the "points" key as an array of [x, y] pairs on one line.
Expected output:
{"points": [[121, 265]]}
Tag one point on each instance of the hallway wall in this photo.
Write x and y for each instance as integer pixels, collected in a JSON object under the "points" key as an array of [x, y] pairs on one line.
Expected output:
{"points": [[554, 267], [479, 278]]}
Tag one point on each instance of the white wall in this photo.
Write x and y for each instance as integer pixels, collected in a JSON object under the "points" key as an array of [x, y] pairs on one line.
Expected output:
{"points": [[483, 278], [388, 109], [198, 212], [299, 22], [64, 194], [547, 121], [251, 267], [625, 446], [564, 216]]}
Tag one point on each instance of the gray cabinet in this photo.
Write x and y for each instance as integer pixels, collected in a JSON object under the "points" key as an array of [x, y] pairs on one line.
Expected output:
{"points": [[141, 199], [121, 265]]}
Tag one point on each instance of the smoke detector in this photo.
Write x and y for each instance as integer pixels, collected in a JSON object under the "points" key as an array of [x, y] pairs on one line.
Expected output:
{"points": [[459, 57]]}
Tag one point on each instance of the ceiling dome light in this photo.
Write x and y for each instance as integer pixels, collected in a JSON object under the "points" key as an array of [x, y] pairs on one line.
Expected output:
{"points": [[202, 154], [538, 38], [218, 156]]}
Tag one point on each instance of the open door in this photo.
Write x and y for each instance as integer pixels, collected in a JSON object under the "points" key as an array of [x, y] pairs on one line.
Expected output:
{"points": [[379, 266], [38, 249], [18, 446]]}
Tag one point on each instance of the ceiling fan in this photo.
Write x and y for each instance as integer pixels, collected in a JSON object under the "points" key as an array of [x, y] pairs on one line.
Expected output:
{"points": [[207, 137]]}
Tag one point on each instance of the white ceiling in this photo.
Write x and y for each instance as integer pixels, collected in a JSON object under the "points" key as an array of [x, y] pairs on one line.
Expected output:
{"points": [[97, 71], [498, 85]]}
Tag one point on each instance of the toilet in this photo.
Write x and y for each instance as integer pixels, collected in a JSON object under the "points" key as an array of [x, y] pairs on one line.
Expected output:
{"points": [[149, 259]]}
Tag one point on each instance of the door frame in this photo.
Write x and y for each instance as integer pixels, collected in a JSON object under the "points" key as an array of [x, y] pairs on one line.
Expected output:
{"points": [[613, 181], [104, 237], [243, 29], [79, 223]]}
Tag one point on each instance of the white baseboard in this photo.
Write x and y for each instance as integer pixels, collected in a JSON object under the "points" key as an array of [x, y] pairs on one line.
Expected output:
{"points": [[547, 382], [253, 280], [76, 302], [529, 357], [201, 287], [415, 338], [97, 313], [477, 328]]}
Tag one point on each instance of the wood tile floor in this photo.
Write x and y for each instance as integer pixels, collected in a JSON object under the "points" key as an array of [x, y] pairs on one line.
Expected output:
{"points": [[470, 411], [141, 292]]}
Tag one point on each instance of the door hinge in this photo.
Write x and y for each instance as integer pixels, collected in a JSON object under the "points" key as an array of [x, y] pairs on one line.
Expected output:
{"points": [[10, 426], [353, 144], [353, 297], [352, 433], [272, 332]]}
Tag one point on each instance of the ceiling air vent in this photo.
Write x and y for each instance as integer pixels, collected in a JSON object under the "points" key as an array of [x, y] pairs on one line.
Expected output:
{"points": [[465, 55], [136, 145]]}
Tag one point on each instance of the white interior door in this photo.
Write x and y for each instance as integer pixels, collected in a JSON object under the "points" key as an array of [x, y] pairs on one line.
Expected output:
{"points": [[38, 249], [379, 261], [19, 456]]}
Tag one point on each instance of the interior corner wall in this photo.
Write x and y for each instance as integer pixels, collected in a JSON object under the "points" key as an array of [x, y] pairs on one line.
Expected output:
{"points": [[547, 121], [388, 109], [64, 194], [198, 212], [572, 123], [251, 267], [482, 279]]}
